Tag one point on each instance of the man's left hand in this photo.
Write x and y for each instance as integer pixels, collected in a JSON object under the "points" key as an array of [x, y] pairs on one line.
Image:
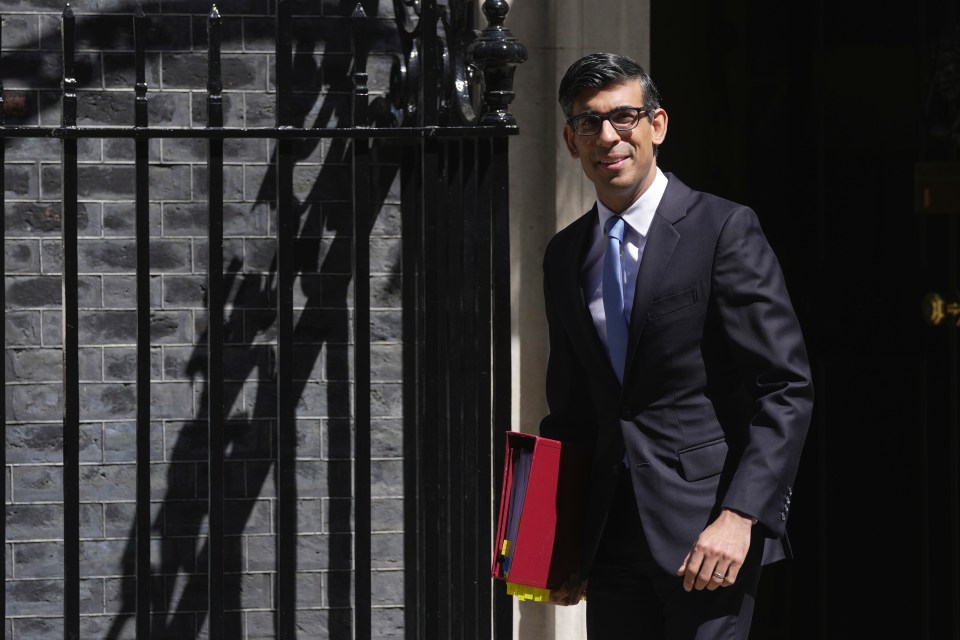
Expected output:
{"points": [[718, 553]]}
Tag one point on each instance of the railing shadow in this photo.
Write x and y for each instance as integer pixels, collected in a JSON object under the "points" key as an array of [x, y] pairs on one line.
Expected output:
{"points": [[323, 267]]}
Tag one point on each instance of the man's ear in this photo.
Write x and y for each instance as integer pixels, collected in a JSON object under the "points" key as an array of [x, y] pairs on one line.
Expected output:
{"points": [[658, 128], [568, 139]]}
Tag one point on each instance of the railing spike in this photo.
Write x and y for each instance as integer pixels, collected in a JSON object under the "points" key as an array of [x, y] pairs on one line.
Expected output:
{"points": [[498, 53]]}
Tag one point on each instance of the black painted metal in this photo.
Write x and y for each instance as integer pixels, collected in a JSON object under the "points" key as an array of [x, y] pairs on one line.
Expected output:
{"points": [[447, 120], [500, 314], [3, 341], [362, 215], [286, 391], [71, 365], [142, 225], [215, 315]]}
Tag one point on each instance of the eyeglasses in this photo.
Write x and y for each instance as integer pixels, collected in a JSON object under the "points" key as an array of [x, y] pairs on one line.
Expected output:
{"points": [[622, 119]]}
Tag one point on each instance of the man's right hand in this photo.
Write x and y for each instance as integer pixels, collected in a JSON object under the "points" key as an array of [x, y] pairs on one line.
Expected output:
{"points": [[570, 592]]}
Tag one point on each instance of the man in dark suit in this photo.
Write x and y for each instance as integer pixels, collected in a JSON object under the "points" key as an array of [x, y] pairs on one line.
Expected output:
{"points": [[685, 374]]}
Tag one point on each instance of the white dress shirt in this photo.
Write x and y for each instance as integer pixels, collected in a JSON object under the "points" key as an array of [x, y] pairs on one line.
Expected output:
{"points": [[637, 217]]}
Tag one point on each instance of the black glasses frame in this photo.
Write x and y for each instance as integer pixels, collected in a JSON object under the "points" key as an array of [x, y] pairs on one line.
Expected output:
{"points": [[575, 120]]}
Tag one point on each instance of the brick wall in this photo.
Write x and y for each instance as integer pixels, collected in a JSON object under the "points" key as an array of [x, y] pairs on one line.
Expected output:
{"points": [[176, 75]]}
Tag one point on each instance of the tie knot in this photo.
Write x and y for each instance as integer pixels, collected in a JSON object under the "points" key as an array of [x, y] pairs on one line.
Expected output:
{"points": [[614, 228]]}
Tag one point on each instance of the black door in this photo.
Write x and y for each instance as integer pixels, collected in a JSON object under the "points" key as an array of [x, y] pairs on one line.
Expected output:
{"points": [[824, 117]]}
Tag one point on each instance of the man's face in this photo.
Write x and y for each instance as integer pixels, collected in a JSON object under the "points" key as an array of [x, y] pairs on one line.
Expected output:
{"points": [[620, 164]]}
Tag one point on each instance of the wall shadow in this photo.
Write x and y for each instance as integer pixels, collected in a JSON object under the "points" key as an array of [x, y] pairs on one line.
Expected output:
{"points": [[323, 268]]}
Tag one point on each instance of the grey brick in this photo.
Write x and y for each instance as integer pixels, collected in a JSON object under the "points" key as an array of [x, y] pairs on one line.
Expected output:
{"points": [[170, 182], [119, 518], [386, 438], [20, 31], [386, 292], [37, 628], [171, 327], [107, 482], [89, 291], [119, 364], [119, 72], [31, 149], [34, 443], [168, 109], [51, 328], [21, 256], [33, 402], [260, 109], [170, 256], [120, 292], [108, 401], [386, 478], [309, 436], [313, 551], [38, 560], [185, 70], [33, 365], [232, 188], [310, 515], [28, 219], [37, 484], [34, 597], [233, 112], [310, 589], [107, 255], [386, 514], [388, 622], [101, 626], [34, 521], [35, 291], [22, 328], [386, 588], [107, 327], [119, 219], [385, 255], [386, 362], [90, 363], [312, 477], [386, 400], [21, 181], [120, 442], [91, 442], [89, 150], [184, 291], [386, 326], [101, 558], [171, 400]]}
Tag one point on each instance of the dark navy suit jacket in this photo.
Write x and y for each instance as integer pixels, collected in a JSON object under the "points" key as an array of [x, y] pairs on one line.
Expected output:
{"points": [[717, 393]]}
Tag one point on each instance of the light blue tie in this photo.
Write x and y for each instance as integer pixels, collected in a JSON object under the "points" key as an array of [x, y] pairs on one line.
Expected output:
{"points": [[613, 296]]}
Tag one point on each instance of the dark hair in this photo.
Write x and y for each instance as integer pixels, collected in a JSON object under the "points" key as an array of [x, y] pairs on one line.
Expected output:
{"points": [[599, 70]]}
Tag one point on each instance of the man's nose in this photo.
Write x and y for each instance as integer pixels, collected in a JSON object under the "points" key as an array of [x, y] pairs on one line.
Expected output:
{"points": [[608, 135]]}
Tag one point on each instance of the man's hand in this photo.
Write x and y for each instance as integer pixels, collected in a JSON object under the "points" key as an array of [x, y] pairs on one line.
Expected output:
{"points": [[570, 592], [718, 554]]}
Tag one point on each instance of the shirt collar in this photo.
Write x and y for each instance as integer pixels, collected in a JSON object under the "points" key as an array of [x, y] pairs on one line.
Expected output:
{"points": [[640, 214]]}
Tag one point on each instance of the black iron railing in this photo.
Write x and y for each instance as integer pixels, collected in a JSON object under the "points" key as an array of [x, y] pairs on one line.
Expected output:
{"points": [[447, 117]]}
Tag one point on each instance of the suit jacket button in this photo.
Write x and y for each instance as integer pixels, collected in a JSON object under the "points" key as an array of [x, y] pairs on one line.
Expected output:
{"points": [[783, 516]]}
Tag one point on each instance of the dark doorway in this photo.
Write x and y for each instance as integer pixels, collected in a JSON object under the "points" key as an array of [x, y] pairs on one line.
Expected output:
{"points": [[819, 115]]}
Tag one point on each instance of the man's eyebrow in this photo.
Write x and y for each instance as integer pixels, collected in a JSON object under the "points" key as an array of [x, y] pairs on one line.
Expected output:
{"points": [[591, 112]]}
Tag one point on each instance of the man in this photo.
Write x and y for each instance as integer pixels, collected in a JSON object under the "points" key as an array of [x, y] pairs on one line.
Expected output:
{"points": [[677, 358]]}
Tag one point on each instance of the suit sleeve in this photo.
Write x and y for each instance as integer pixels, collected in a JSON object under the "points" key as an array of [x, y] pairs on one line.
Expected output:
{"points": [[766, 342]]}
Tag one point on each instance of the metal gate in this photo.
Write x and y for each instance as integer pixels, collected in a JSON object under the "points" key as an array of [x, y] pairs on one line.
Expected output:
{"points": [[442, 131]]}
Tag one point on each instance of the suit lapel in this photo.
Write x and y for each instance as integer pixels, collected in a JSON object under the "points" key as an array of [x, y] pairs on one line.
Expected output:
{"points": [[570, 295], [662, 239]]}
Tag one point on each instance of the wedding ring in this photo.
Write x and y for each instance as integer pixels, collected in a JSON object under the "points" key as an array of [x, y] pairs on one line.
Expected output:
{"points": [[719, 576]]}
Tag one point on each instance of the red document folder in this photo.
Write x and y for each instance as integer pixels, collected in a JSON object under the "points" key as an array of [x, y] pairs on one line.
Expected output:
{"points": [[538, 540]]}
